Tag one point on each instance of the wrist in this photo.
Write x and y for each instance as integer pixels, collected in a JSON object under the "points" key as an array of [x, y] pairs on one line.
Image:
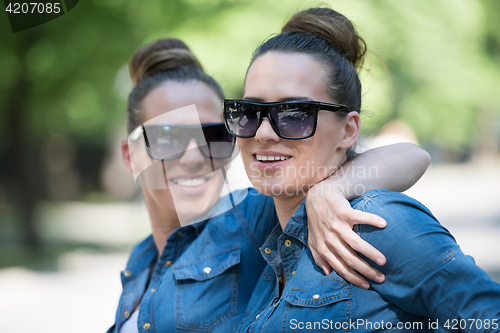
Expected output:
{"points": [[332, 186]]}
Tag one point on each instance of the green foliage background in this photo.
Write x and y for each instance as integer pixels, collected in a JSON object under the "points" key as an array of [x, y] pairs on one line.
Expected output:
{"points": [[441, 56], [434, 64], [441, 59]]}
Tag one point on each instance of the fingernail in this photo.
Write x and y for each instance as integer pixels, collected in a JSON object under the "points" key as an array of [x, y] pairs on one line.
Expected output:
{"points": [[381, 223], [379, 261], [380, 278], [365, 285]]}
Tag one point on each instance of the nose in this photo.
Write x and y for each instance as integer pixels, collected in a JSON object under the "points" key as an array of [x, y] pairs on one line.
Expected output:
{"points": [[265, 132], [192, 159]]}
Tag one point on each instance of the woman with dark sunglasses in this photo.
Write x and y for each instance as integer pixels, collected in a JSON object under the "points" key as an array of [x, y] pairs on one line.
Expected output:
{"points": [[191, 276], [301, 112]]}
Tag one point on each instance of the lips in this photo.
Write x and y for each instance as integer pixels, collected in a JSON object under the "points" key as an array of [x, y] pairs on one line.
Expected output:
{"points": [[270, 160], [189, 182]]}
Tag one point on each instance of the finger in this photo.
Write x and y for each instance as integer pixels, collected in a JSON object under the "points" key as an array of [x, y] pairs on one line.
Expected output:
{"points": [[339, 265], [355, 262], [359, 217], [322, 263], [361, 246], [346, 272]]}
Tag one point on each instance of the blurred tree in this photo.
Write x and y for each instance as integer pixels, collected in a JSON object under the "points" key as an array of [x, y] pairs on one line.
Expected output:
{"points": [[441, 76], [64, 83]]}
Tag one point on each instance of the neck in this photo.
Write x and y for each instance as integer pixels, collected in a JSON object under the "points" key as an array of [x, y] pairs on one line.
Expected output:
{"points": [[164, 219], [286, 207]]}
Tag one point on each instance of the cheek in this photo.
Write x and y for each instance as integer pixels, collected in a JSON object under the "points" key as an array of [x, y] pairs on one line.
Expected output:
{"points": [[244, 145], [323, 156], [329, 131]]}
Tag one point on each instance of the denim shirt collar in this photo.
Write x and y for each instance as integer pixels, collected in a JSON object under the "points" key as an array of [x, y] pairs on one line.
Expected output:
{"points": [[142, 256], [296, 228], [145, 254], [297, 225]]}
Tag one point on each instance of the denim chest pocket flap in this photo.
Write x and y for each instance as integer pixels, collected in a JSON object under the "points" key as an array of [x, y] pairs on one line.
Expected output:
{"points": [[209, 266], [329, 290], [207, 290]]}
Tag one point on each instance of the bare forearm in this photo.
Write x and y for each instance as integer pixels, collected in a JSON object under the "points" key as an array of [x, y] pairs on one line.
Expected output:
{"points": [[394, 168]]}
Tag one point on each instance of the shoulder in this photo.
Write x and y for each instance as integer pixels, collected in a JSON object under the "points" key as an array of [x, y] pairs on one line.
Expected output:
{"points": [[411, 232], [409, 223], [143, 254], [143, 248], [392, 205], [254, 205]]}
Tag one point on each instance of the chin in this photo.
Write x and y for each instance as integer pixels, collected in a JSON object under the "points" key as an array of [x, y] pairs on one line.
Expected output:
{"points": [[189, 211], [275, 188]]}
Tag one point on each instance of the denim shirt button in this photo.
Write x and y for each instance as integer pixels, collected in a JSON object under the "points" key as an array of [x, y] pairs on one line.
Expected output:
{"points": [[127, 273], [168, 263], [288, 243], [146, 326], [293, 273], [257, 316], [268, 250], [316, 296], [207, 270], [126, 314], [153, 290]]}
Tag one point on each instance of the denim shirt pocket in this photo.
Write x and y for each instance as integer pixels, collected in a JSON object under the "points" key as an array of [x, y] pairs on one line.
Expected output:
{"points": [[329, 299], [329, 290], [207, 289]]}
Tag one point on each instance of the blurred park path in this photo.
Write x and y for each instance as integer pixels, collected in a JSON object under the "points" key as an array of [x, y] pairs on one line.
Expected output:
{"points": [[82, 294]]}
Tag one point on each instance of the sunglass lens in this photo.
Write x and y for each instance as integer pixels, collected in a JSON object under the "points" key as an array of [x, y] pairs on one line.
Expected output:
{"points": [[242, 118], [294, 120], [165, 142], [220, 144]]}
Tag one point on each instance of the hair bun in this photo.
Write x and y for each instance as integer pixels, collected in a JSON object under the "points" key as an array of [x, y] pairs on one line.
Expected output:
{"points": [[333, 27], [162, 55]]}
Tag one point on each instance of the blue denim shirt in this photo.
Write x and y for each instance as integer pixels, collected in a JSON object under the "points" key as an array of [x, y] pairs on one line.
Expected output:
{"points": [[205, 275], [429, 281]]}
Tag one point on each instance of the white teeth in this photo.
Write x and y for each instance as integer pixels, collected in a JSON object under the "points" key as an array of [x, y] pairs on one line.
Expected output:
{"points": [[271, 158], [189, 182]]}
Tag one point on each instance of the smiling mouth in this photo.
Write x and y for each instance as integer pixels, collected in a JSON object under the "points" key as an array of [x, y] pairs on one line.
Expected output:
{"points": [[269, 159], [189, 182]]}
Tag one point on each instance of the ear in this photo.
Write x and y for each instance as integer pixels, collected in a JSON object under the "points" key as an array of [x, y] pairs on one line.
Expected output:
{"points": [[126, 156], [351, 130]]}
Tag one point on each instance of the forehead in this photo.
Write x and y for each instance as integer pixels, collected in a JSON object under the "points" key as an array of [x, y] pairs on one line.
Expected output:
{"points": [[175, 95], [279, 76]]}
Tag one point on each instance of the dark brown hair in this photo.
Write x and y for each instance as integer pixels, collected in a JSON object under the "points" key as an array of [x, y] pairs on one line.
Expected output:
{"points": [[331, 38], [152, 65]]}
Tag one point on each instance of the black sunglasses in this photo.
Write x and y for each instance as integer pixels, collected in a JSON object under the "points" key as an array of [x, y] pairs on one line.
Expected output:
{"points": [[169, 142], [293, 120]]}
